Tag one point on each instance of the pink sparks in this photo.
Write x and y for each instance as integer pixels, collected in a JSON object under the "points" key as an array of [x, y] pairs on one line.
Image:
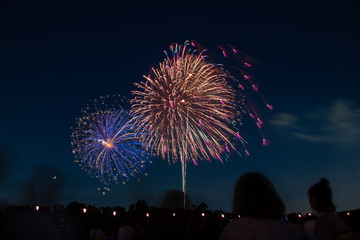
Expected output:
{"points": [[222, 102], [149, 107], [193, 44], [234, 50], [224, 54], [164, 149], [238, 135], [252, 116], [171, 104], [150, 127], [227, 148], [265, 142], [255, 87], [202, 57], [247, 152], [240, 86], [259, 126], [246, 77], [164, 105], [162, 140], [270, 107], [259, 121], [247, 64], [200, 123]]}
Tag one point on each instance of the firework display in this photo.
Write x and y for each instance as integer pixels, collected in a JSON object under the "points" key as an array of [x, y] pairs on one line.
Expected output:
{"points": [[187, 107], [105, 145]]}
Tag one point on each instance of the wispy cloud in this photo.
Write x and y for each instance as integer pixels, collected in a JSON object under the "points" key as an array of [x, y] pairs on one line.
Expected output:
{"points": [[284, 119], [337, 123], [311, 137]]}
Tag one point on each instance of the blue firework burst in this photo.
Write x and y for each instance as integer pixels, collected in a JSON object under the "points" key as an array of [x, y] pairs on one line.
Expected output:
{"points": [[105, 145]]}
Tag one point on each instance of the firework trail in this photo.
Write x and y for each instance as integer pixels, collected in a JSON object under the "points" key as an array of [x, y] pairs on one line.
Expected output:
{"points": [[187, 107], [105, 145]]}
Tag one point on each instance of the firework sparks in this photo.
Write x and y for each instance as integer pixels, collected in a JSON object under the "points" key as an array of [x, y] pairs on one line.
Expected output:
{"points": [[104, 144], [186, 106], [236, 71], [192, 108]]}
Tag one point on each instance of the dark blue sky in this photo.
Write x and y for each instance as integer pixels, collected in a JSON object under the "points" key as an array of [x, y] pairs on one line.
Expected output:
{"points": [[56, 57]]}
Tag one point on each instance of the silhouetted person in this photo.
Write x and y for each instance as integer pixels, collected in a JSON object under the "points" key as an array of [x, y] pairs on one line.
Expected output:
{"points": [[260, 209], [328, 226], [128, 230]]}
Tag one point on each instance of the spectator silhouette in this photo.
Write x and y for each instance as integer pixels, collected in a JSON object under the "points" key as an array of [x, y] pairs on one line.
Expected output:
{"points": [[328, 226], [260, 209]]}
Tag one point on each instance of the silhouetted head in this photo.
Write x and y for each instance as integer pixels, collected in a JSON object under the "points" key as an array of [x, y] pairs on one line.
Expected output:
{"points": [[255, 196], [320, 196]]}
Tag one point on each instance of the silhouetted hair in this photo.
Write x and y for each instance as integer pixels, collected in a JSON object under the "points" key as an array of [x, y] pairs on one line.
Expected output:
{"points": [[255, 196], [321, 191]]}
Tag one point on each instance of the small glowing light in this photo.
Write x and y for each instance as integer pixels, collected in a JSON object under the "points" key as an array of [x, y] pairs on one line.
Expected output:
{"points": [[299, 215], [84, 210], [54, 177], [173, 214], [114, 213], [37, 208], [106, 144], [222, 215], [203, 214], [183, 100], [309, 214], [348, 213], [238, 216], [147, 215], [190, 74]]}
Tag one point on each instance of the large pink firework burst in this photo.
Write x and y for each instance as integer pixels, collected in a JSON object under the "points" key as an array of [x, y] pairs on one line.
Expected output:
{"points": [[186, 106]]}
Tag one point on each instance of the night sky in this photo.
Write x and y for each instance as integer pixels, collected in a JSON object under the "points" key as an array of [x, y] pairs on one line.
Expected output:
{"points": [[54, 58]]}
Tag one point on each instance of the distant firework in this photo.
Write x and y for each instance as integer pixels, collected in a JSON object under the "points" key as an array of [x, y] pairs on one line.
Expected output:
{"points": [[105, 145], [187, 107]]}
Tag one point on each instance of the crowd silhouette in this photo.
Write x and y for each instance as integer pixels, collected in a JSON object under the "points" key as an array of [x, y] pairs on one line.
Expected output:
{"points": [[258, 213]]}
